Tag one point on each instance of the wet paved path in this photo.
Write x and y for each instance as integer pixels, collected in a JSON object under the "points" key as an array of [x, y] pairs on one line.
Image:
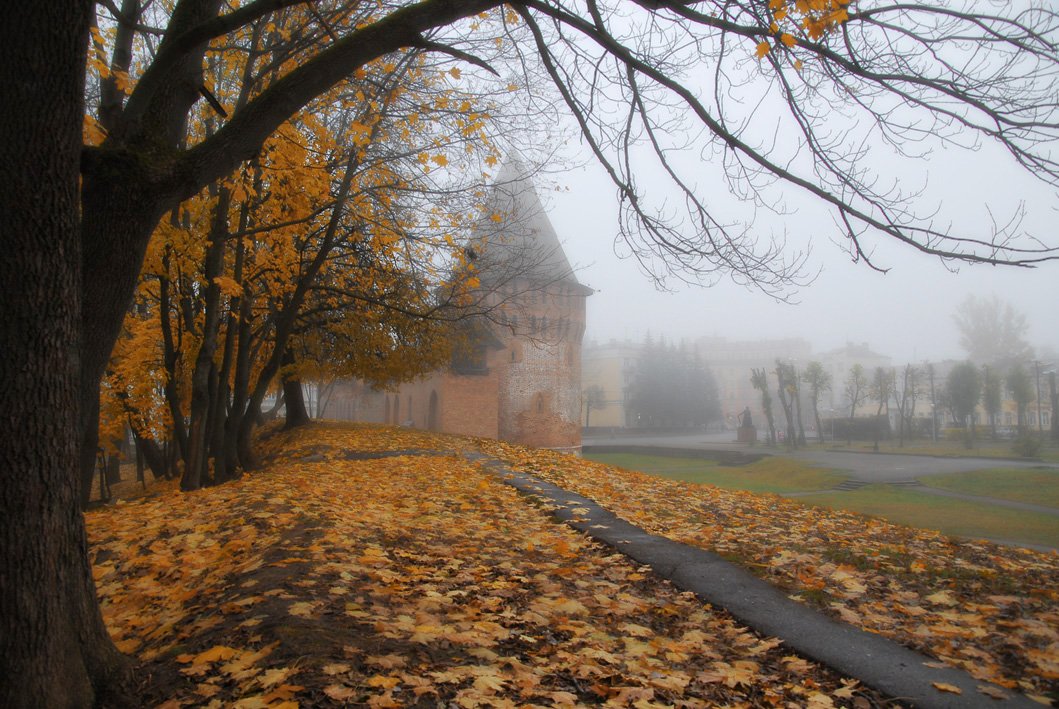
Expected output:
{"points": [[877, 662]]}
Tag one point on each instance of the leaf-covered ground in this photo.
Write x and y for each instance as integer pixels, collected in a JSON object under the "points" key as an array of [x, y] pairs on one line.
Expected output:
{"points": [[334, 578], [991, 610]]}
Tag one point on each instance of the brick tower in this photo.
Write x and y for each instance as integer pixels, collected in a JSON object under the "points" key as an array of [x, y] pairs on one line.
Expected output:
{"points": [[519, 377], [543, 321]]}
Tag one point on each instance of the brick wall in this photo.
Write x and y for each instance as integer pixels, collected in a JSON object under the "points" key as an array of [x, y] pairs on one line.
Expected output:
{"points": [[540, 387], [530, 392]]}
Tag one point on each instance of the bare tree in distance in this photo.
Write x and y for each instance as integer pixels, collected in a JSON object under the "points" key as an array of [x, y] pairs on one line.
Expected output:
{"points": [[593, 398], [819, 380], [77, 220], [963, 391], [787, 387], [759, 379], [992, 395], [880, 389], [930, 372], [1020, 386], [906, 397], [1053, 394], [855, 388]]}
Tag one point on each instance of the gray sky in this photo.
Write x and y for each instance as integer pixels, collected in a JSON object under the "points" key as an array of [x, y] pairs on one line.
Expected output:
{"points": [[959, 181], [905, 313]]}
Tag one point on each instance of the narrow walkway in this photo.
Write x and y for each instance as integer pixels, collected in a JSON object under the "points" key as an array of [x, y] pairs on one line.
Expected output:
{"points": [[877, 662]]}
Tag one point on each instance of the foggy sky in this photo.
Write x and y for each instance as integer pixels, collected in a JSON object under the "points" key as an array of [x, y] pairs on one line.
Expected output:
{"points": [[905, 313]]}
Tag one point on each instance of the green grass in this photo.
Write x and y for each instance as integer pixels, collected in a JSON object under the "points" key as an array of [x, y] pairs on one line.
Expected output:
{"points": [[767, 475], [949, 516], [984, 447], [1039, 487]]}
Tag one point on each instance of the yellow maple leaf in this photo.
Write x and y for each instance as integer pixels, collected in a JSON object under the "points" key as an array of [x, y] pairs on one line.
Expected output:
{"points": [[383, 681], [941, 598], [762, 49], [336, 668], [339, 692], [387, 662], [215, 654], [275, 676], [945, 687]]}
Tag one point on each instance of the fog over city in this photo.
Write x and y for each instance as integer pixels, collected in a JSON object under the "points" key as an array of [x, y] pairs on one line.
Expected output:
{"points": [[905, 313]]}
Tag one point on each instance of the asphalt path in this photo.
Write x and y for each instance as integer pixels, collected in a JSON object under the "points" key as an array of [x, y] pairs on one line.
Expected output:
{"points": [[898, 468], [876, 661]]}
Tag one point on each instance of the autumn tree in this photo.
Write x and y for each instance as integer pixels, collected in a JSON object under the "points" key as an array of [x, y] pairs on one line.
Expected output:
{"points": [[335, 254], [963, 390], [671, 387], [1020, 386], [992, 332], [818, 380], [77, 220], [992, 395]]}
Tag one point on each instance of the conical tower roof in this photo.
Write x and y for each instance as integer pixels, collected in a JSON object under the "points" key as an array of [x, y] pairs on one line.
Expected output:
{"points": [[514, 234]]}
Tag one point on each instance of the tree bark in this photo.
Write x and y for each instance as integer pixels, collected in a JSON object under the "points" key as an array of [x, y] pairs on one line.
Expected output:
{"points": [[196, 469], [297, 414], [170, 355], [153, 455], [54, 648]]}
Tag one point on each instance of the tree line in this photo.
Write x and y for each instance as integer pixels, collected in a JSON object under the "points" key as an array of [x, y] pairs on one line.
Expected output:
{"points": [[672, 388]]}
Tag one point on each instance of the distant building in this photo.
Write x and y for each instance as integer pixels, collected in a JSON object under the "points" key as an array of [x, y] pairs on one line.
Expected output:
{"points": [[611, 367], [838, 363], [518, 376], [731, 362]]}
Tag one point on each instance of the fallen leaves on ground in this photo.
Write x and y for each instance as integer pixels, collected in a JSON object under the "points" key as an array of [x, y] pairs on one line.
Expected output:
{"points": [[988, 609], [409, 580]]}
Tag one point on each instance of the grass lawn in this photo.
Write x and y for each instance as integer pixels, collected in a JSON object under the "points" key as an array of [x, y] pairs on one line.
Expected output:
{"points": [[767, 475], [949, 516], [1040, 487], [984, 447]]}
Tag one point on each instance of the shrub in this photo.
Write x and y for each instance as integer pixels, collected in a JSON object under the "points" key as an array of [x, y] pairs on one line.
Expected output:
{"points": [[1027, 446]]}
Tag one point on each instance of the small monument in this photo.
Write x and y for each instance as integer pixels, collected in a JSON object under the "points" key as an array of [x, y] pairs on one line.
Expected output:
{"points": [[746, 432]]}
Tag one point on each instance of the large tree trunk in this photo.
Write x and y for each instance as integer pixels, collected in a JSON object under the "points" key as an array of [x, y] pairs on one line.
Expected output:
{"points": [[170, 356], [54, 648], [199, 437], [297, 414], [153, 455]]}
